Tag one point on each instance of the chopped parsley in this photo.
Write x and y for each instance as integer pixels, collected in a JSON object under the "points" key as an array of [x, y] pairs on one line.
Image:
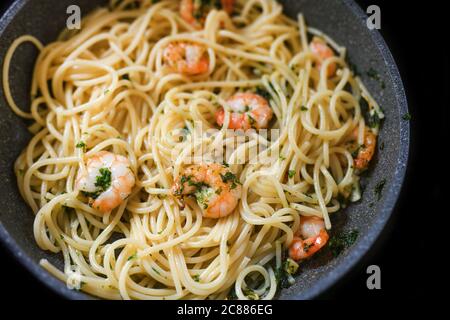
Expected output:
{"points": [[284, 273], [343, 200], [282, 157], [406, 117], [157, 272], [203, 196], [303, 108], [103, 181], [230, 177], [251, 119], [202, 7], [232, 294], [307, 246], [81, 145], [132, 5], [340, 242], [93, 195], [372, 73], [379, 189], [373, 120], [353, 67], [291, 173], [196, 278], [134, 256], [263, 93]]}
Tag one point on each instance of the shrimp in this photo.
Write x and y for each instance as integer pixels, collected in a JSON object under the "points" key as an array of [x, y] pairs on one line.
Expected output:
{"points": [[186, 58], [107, 182], [323, 51], [214, 186], [366, 151], [250, 110], [313, 237], [194, 12]]}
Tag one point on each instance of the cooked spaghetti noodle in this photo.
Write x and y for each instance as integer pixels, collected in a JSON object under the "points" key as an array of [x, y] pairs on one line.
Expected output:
{"points": [[108, 87]]}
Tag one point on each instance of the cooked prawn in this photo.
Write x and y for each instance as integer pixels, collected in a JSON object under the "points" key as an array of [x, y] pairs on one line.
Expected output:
{"points": [[366, 151], [107, 181], [312, 237], [214, 186], [250, 110], [186, 58], [323, 51], [195, 11]]}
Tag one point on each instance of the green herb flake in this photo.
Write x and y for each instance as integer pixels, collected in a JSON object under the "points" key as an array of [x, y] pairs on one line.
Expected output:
{"points": [[291, 173], [203, 196], [372, 73], [229, 177], [282, 273], [196, 278], [132, 257], [263, 93], [353, 67], [250, 294], [104, 179], [157, 272], [406, 117], [303, 108], [290, 266], [232, 294]]}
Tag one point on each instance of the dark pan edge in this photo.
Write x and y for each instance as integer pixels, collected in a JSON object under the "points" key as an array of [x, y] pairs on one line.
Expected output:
{"points": [[357, 253]]}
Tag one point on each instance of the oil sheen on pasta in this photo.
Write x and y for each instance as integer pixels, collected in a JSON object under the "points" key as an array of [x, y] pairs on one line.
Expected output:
{"points": [[111, 92]]}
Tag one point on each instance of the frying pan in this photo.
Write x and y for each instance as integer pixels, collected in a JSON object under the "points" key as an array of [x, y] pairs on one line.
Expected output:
{"points": [[343, 20]]}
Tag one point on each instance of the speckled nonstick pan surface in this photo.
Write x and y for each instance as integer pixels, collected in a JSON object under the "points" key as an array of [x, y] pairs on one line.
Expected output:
{"points": [[343, 20]]}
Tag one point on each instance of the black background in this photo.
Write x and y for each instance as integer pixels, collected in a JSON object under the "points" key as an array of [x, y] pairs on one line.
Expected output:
{"points": [[415, 34]]}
